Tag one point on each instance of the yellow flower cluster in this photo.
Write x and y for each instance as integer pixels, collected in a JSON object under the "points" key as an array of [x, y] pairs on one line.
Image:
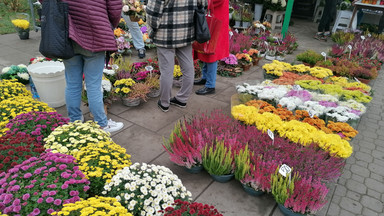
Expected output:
{"points": [[21, 23], [14, 106], [343, 81], [300, 68], [177, 71], [102, 160], [1, 214], [94, 206], [276, 67], [122, 86], [71, 137], [320, 72], [12, 88], [295, 131]]}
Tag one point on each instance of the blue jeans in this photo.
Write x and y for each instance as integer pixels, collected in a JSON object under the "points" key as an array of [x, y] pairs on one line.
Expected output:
{"points": [[91, 65], [209, 74], [137, 35]]}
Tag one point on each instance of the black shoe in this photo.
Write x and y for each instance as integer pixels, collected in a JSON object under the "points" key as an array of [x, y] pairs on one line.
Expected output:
{"points": [[141, 53], [175, 102], [163, 108], [200, 82], [205, 91]]}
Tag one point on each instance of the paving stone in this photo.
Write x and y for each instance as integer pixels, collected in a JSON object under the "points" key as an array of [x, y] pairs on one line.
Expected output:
{"points": [[353, 195], [378, 161], [372, 203], [362, 163], [356, 186], [360, 170], [358, 178], [368, 145], [346, 213], [351, 205], [376, 168], [364, 150], [336, 199], [374, 193], [380, 148], [341, 190], [377, 177], [368, 212], [334, 210], [378, 155]]}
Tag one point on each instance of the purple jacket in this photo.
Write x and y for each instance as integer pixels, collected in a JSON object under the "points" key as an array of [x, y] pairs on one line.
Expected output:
{"points": [[91, 23]]}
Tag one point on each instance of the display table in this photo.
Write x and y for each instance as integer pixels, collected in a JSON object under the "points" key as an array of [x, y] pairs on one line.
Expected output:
{"points": [[358, 5]]}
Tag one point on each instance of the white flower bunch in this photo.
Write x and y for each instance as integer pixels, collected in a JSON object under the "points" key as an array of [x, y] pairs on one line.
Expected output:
{"points": [[250, 89], [109, 72], [106, 85], [5, 70], [341, 113], [290, 102], [313, 107], [273, 93], [323, 97], [354, 105], [144, 189], [23, 76]]}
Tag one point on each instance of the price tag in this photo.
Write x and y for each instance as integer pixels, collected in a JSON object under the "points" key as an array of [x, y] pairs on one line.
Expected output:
{"points": [[357, 80], [323, 54], [362, 37], [115, 66], [271, 135], [349, 47], [285, 170], [230, 33], [369, 35], [148, 68], [237, 31], [266, 43], [311, 114]]}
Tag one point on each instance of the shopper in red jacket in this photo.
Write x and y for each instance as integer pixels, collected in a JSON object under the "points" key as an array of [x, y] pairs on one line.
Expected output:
{"points": [[221, 11]]}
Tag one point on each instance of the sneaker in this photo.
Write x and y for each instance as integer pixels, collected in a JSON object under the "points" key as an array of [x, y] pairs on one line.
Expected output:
{"points": [[113, 126], [82, 118], [320, 37], [163, 108], [175, 102], [141, 53]]}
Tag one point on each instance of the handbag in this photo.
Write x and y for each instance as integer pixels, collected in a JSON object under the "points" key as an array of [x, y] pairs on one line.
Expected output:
{"points": [[214, 26], [202, 33], [55, 42]]}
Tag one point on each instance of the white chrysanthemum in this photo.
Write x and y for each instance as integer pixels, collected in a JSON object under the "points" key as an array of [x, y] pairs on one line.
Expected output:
{"points": [[23, 76], [108, 72], [290, 102], [22, 66], [5, 70], [106, 85]]}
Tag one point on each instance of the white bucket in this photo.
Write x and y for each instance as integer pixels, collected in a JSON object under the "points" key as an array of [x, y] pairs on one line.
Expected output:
{"points": [[49, 80]]}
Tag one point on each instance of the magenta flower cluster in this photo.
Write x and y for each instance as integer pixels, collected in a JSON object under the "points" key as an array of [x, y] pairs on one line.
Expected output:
{"points": [[41, 185], [304, 95], [230, 60], [328, 104], [37, 124]]}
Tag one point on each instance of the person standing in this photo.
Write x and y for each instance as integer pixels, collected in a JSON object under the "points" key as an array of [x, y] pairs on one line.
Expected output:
{"points": [[171, 26], [137, 35], [323, 29], [91, 33], [220, 11]]}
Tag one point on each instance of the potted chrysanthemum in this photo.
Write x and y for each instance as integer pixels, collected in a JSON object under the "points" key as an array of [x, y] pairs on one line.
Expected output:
{"points": [[19, 72], [145, 189], [22, 27]]}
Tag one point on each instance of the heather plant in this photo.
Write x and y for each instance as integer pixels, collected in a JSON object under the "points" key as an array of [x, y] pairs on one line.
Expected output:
{"points": [[37, 124], [308, 196], [242, 162], [309, 56], [218, 159], [283, 187], [239, 42], [186, 208], [185, 145], [17, 147], [42, 185], [100, 161], [12, 88]]}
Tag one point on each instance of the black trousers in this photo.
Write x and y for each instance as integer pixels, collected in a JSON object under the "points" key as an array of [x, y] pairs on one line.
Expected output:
{"points": [[326, 18]]}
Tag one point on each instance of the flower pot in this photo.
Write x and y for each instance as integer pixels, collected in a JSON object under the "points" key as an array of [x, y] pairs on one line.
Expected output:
{"points": [[131, 102], [194, 169], [251, 191], [255, 61], [287, 212], [222, 178], [23, 34], [246, 67], [237, 24], [49, 80], [245, 24], [365, 81], [154, 93], [280, 58], [270, 58], [134, 18]]}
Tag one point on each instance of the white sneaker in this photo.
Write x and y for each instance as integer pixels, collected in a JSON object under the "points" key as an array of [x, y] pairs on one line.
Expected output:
{"points": [[82, 118], [113, 126]]}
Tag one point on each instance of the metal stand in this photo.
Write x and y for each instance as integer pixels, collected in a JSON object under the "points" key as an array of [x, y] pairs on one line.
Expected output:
{"points": [[31, 6]]}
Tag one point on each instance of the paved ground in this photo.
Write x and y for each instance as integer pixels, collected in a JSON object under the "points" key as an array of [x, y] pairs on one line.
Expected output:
{"points": [[359, 191]]}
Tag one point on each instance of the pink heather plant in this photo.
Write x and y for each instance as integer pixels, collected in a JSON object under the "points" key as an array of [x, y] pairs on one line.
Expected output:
{"points": [[308, 196], [42, 185], [37, 124]]}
